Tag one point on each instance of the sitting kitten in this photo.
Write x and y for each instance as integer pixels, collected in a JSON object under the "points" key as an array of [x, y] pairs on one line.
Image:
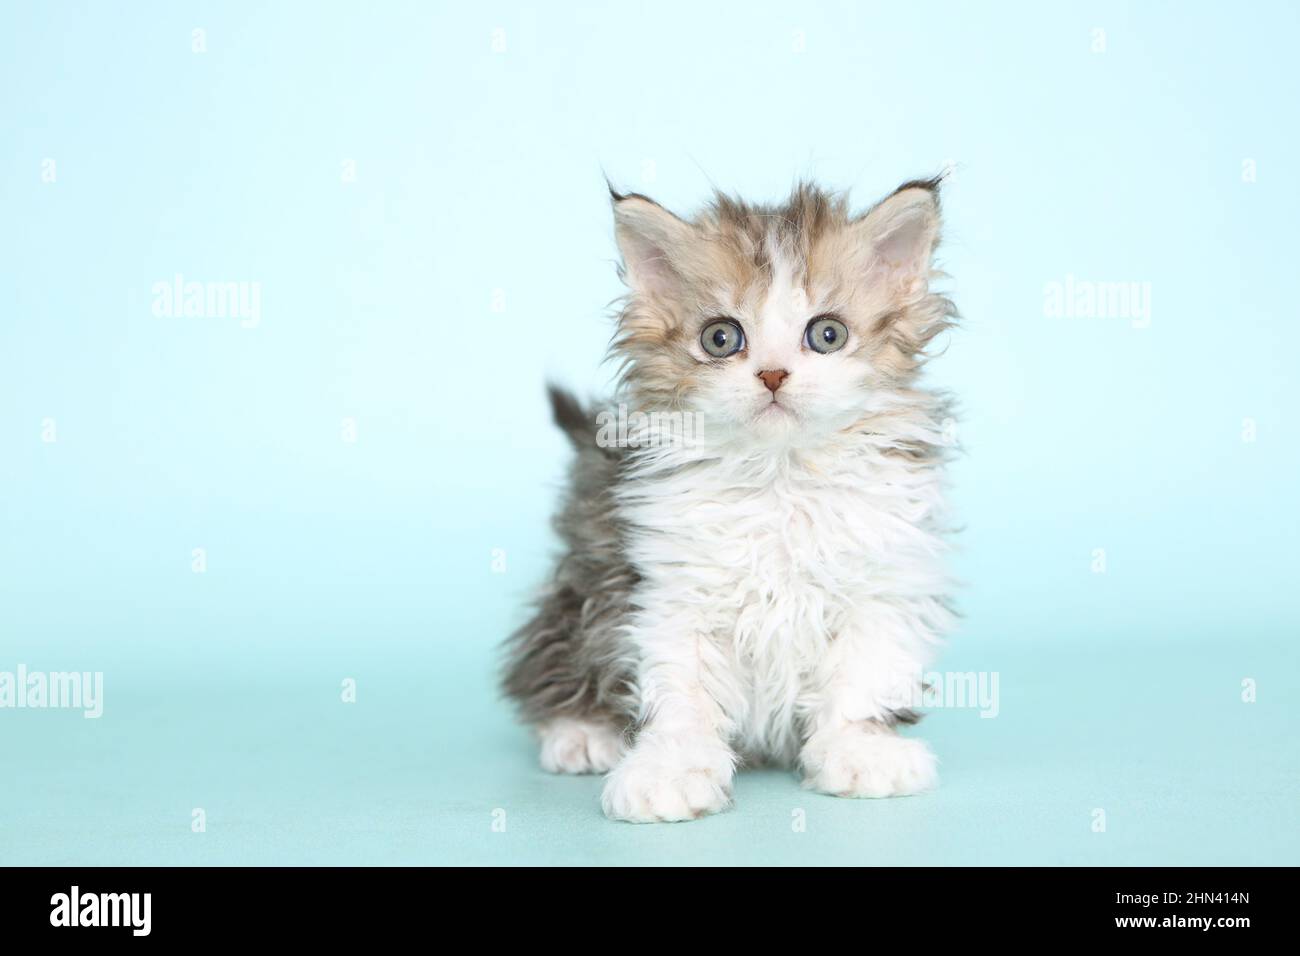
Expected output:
{"points": [[758, 576]]}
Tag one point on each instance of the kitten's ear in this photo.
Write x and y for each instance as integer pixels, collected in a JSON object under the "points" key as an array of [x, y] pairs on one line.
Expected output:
{"points": [[652, 242], [899, 235]]}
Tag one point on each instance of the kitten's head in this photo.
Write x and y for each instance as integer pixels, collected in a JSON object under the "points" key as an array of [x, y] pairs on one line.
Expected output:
{"points": [[777, 322]]}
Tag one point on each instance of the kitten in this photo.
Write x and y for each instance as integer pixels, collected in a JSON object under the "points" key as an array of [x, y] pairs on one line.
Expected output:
{"points": [[755, 573]]}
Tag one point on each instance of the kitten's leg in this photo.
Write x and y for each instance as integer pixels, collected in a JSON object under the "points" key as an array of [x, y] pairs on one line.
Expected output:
{"points": [[862, 690], [567, 683], [579, 745], [680, 766]]}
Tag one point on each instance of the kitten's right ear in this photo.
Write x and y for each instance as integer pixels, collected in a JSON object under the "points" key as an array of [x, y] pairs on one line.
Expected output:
{"points": [[652, 242]]}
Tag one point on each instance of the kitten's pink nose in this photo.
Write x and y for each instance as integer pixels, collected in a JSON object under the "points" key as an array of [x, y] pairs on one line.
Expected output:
{"points": [[773, 378]]}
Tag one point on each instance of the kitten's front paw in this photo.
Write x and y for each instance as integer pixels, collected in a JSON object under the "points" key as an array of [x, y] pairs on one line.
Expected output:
{"points": [[579, 746], [867, 762], [664, 780]]}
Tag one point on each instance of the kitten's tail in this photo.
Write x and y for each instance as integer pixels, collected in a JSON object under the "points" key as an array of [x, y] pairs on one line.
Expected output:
{"points": [[572, 419]]}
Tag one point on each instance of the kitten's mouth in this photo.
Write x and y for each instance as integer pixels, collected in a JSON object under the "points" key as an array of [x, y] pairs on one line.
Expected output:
{"points": [[774, 409]]}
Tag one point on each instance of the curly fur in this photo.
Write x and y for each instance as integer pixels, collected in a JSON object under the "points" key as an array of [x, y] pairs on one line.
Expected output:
{"points": [[770, 588]]}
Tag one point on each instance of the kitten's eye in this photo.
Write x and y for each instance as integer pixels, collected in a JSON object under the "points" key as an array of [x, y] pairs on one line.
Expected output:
{"points": [[827, 334], [722, 337]]}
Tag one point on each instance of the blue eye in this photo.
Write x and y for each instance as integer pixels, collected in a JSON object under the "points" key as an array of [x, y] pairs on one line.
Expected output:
{"points": [[826, 334], [722, 337]]}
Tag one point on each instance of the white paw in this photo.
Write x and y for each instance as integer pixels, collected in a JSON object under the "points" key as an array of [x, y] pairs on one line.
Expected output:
{"points": [[570, 745], [870, 762], [667, 779]]}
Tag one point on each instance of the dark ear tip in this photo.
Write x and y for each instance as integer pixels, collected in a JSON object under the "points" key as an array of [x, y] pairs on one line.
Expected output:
{"points": [[930, 185], [617, 197]]}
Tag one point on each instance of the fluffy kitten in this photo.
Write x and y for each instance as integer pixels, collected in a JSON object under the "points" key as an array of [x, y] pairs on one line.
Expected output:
{"points": [[756, 574]]}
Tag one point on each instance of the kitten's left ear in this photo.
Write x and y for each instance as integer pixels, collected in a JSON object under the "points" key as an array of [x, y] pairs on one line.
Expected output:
{"points": [[900, 233]]}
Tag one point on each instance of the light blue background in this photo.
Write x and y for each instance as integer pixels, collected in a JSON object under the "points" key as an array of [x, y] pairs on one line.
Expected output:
{"points": [[479, 179]]}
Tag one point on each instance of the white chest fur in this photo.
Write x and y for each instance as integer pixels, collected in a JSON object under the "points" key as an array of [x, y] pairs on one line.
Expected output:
{"points": [[753, 567]]}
